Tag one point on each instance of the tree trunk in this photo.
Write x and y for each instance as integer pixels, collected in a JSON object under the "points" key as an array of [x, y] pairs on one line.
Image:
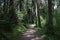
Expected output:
{"points": [[38, 13], [21, 5], [50, 18]]}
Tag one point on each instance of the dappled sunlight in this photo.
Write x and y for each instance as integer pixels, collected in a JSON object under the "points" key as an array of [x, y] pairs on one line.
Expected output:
{"points": [[41, 18], [36, 38], [30, 36], [29, 31], [43, 21], [29, 19], [32, 25], [19, 29]]}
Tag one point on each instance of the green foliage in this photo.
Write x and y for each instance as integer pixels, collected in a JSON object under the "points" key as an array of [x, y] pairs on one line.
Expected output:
{"points": [[56, 23], [17, 31], [14, 22]]}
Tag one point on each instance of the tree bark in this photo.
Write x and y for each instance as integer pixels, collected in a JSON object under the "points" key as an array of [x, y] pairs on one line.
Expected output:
{"points": [[38, 14], [21, 5], [50, 18]]}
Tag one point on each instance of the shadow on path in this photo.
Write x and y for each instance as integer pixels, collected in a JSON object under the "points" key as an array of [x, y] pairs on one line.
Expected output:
{"points": [[31, 34]]}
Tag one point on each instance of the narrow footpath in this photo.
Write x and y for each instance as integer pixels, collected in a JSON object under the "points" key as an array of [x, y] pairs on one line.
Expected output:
{"points": [[31, 34]]}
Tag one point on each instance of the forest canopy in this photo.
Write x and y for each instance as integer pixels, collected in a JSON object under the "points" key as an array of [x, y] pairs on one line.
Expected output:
{"points": [[17, 15]]}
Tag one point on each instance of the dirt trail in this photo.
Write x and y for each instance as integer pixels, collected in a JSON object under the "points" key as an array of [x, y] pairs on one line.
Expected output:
{"points": [[31, 34]]}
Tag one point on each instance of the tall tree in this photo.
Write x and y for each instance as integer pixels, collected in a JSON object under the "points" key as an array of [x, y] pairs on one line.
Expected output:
{"points": [[8, 17], [11, 14], [3, 18], [37, 4], [50, 18], [21, 5]]}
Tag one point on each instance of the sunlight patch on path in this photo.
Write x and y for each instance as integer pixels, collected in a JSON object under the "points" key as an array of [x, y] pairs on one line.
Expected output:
{"points": [[36, 38], [29, 31], [31, 34], [31, 25]]}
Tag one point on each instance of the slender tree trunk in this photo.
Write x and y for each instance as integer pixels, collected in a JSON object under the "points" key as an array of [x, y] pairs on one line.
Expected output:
{"points": [[4, 9], [50, 17], [38, 13], [33, 9], [21, 5], [12, 13]]}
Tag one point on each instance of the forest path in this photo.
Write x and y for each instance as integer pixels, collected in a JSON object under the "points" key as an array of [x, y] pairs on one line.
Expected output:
{"points": [[31, 34]]}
